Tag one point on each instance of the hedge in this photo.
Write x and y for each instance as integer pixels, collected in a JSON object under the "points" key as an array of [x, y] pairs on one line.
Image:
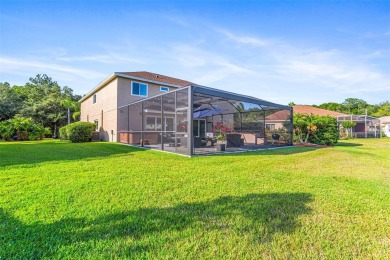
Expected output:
{"points": [[78, 132]]}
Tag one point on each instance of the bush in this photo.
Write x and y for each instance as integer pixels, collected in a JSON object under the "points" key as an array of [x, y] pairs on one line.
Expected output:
{"points": [[21, 129], [80, 131], [64, 133], [321, 130], [327, 131]]}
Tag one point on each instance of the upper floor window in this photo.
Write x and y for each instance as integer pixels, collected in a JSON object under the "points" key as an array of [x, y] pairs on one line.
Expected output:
{"points": [[164, 89], [139, 89], [94, 98]]}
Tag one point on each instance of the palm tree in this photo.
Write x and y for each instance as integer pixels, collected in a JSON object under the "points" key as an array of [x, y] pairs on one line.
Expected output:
{"points": [[70, 105]]}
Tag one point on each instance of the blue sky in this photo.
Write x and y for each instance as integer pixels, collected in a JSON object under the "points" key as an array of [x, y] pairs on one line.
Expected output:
{"points": [[308, 52]]}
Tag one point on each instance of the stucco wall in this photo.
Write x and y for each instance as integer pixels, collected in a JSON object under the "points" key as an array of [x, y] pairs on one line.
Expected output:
{"points": [[115, 94], [104, 110], [124, 91]]}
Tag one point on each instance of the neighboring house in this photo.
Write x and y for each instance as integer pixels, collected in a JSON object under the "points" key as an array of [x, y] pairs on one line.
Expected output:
{"points": [[164, 113], [101, 104], [303, 109], [366, 126], [385, 125]]}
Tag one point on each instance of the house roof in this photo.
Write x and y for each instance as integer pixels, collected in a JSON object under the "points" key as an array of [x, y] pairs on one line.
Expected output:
{"points": [[385, 120], [157, 77], [280, 115], [303, 109], [140, 75]]}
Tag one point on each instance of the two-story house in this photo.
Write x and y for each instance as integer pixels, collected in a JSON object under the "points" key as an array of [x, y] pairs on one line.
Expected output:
{"points": [[169, 114], [101, 104]]}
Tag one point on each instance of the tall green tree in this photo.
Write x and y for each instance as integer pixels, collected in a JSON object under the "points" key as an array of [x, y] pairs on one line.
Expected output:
{"points": [[383, 109], [70, 105], [334, 107], [10, 101], [355, 106]]}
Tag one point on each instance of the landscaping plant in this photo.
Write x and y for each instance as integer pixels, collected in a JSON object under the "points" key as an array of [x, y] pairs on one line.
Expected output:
{"points": [[347, 125], [321, 130], [22, 129], [78, 132]]}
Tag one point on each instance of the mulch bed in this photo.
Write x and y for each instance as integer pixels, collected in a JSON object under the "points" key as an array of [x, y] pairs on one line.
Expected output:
{"points": [[310, 145]]}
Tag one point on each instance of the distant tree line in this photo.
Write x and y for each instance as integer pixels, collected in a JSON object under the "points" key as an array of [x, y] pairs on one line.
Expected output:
{"points": [[358, 107], [41, 99]]}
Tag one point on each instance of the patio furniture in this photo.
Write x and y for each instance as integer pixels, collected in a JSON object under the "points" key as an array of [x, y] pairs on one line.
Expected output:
{"points": [[233, 140], [275, 138], [199, 142]]}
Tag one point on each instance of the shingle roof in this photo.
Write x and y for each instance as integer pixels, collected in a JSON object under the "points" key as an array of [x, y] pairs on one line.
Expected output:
{"points": [[302, 109], [158, 77], [280, 115]]}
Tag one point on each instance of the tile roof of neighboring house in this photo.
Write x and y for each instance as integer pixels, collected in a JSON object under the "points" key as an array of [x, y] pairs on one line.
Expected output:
{"points": [[385, 119], [302, 109], [158, 77], [280, 115]]}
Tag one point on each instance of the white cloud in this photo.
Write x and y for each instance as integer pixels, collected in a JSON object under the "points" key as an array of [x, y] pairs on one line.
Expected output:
{"points": [[244, 40], [100, 58], [11, 65], [345, 72], [210, 67]]}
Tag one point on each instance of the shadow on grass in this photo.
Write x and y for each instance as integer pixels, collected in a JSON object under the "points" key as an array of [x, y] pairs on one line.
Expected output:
{"points": [[28, 153], [344, 144], [258, 215], [283, 150]]}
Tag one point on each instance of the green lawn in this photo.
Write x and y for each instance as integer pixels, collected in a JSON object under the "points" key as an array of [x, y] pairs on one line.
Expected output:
{"points": [[102, 200]]}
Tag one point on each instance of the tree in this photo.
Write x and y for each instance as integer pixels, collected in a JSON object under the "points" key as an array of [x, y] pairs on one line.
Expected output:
{"points": [[76, 116], [41, 99], [315, 129], [70, 105], [48, 103], [304, 126], [10, 101], [291, 104], [383, 109], [347, 125], [334, 107], [355, 106]]}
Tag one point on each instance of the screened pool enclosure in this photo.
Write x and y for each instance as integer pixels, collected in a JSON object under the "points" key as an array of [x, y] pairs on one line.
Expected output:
{"points": [[198, 120]]}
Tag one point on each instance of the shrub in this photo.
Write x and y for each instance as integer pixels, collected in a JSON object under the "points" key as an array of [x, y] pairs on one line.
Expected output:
{"points": [[64, 133], [327, 131], [20, 128], [316, 129], [80, 131], [6, 130]]}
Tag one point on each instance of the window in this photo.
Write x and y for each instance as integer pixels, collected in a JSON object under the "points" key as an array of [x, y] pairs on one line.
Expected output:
{"points": [[164, 89], [153, 123], [97, 124], [270, 127], [169, 123], [94, 98], [139, 89]]}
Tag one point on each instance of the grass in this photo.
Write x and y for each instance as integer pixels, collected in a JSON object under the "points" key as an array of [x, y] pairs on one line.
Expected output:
{"points": [[103, 200]]}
